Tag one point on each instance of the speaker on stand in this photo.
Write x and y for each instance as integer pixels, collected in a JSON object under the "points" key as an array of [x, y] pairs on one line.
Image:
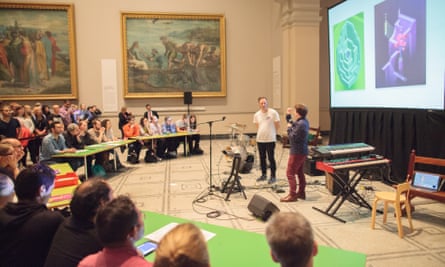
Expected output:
{"points": [[188, 99]]}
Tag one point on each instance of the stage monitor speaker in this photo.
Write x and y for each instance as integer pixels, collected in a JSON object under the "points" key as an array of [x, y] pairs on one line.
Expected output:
{"points": [[261, 207], [188, 98]]}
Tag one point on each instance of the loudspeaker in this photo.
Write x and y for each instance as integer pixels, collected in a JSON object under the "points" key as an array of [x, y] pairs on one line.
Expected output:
{"points": [[261, 207], [188, 98]]}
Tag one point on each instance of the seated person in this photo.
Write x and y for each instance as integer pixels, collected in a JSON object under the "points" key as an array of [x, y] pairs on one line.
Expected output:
{"points": [[291, 240], [54, 143], [6, 190], [19, 152], [109, 136], [183, 246], [170, 144], [131, 129], [73, 139], [195, 138], [119, 225], [97, 133], [27, 227], [77, 237], [190, 125], [8, 161]]}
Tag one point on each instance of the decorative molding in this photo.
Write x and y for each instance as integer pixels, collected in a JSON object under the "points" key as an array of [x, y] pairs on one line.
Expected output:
{"points": [[299, 13]]}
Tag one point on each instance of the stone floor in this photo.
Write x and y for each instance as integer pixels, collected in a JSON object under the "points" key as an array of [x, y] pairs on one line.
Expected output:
{"points": [[173, 186]]}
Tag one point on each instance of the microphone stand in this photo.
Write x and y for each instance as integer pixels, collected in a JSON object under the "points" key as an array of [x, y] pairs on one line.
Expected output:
{"points": [[211, 186]]}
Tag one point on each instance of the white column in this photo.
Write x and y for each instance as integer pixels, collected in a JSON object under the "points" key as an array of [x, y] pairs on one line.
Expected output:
{"points": [[300, 22]]}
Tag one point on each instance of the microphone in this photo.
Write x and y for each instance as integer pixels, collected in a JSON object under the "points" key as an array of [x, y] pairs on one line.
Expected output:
{"points": [[224, 117]]}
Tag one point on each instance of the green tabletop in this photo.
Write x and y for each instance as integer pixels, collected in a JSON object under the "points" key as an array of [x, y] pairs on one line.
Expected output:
{"points": [[94, 149], [237, 248]]}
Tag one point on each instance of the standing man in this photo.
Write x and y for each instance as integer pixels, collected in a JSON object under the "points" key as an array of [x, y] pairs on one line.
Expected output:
{"points": [[149, 113], [9, 126], [267, 121], [298, 138]]}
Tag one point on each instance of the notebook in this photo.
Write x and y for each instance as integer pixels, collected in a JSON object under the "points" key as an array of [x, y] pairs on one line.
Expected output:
{"points": [[427, 181]]}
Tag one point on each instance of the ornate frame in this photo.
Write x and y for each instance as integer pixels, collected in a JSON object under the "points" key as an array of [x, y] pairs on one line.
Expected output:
{"points": [[165, 55], [28, 34]]}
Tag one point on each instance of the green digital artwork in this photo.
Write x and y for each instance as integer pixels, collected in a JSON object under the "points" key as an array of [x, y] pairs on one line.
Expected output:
{"points": [[349, 56]]}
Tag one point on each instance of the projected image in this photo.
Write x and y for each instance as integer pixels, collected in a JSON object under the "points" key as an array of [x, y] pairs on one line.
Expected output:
{"points": [[349, 57], [400, 43]]}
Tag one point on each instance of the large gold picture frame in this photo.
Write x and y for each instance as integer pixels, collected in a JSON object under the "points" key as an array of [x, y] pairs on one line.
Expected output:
{"points": [[37, 51], [165, 55]]}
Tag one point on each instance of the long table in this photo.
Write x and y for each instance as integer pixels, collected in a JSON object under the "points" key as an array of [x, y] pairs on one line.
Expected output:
{"points": [[238, 248], [164, 136], [93, 150]]}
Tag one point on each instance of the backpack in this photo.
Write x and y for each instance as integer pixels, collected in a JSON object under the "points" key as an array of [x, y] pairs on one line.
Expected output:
{"points": [[150, 156]]}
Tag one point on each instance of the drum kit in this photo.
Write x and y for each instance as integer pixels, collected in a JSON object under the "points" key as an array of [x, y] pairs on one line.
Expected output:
{"points": [[238, 145]]}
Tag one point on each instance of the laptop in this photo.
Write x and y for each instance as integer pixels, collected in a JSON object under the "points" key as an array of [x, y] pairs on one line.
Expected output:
{"points": [[427, 181]]}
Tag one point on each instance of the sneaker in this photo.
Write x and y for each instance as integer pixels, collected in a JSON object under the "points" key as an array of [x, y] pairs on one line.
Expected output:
{"points": [[261, 178], [272, 180]]}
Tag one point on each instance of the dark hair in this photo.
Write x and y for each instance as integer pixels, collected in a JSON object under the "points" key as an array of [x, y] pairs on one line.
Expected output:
{"points": [[115, 220], [88, 197], [104, 122], [30, 179], [301, 109], [53, 124]]}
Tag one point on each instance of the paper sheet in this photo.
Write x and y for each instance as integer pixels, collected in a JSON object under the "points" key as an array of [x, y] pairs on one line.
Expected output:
{"points": [[157, 235]]}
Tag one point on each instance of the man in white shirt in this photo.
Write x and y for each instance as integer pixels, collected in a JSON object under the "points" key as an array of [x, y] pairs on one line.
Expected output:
{"points": [[267, 121]]}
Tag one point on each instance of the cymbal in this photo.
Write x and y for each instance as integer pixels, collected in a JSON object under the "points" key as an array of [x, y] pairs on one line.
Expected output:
{"points": [[237, 127]]}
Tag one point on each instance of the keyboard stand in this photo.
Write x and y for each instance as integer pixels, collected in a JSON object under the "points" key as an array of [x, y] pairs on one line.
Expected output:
{"points": [[348, 192], [233, 182]]}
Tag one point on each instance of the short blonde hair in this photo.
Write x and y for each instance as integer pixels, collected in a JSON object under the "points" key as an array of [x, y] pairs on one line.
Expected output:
{"points": [[184, 246]]}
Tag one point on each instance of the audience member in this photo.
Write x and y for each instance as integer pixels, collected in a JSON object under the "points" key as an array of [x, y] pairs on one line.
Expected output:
{"points": [[170, 144], [54, 143], [77, 237], [9, 126], [17, 155], [109, 136], [6, 190], [291, 240], [119, 225], [8, 163], [40, 130], [27, 227], [183, 246], [73, 139], [66, 112], [55, 115], [189, 124], [131, 129], [92, 114], [149, 113], [124, 118]]}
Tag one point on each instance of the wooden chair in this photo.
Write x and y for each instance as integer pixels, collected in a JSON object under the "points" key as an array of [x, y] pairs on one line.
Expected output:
{"points": [[397, 198], [414, 162]]}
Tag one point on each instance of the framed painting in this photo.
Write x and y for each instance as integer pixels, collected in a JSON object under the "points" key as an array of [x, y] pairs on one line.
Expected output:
{"points": [[37, 51], [165, 55]]}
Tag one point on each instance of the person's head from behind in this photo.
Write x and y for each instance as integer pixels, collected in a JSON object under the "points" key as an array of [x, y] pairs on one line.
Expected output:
{"points": [[291, 239], [35, 183], [183, 246], [119, 223], [6, 190], [88, 197]]}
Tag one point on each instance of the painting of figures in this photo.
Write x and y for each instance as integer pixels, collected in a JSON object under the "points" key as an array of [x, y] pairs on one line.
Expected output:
{"points": [[37, 51], [167, 54]]}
